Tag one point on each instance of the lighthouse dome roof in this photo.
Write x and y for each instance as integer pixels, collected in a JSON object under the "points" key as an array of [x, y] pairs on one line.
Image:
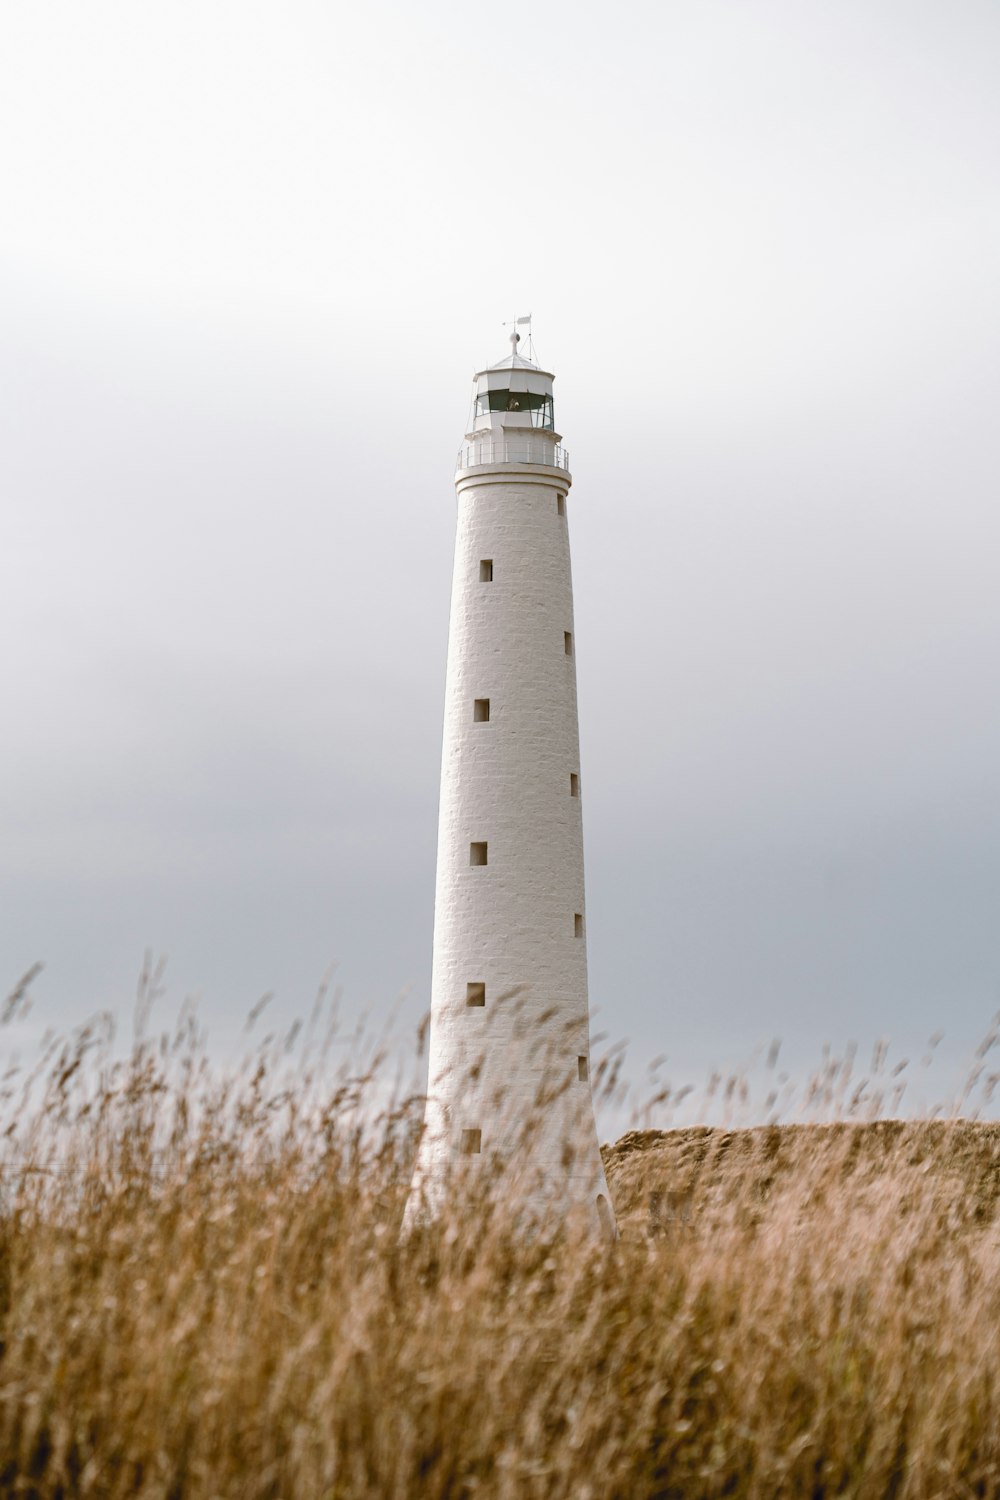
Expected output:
{"points": [[514, 362]]}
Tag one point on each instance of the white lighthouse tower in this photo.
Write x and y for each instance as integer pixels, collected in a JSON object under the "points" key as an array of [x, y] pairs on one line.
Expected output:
{"points": [[509, 1076]]}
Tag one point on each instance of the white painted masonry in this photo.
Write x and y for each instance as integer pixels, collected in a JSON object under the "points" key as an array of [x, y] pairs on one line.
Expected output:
{"points": [[509, 1073]]}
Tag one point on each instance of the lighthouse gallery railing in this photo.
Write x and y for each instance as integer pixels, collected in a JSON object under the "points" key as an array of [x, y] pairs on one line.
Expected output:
{"points": [[512, 451]]}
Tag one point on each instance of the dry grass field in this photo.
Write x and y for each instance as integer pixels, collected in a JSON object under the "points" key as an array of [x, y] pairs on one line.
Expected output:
{"points": [[203, 1294]]}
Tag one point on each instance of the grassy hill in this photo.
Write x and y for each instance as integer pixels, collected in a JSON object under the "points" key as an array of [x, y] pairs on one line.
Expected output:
{"points": [[680, 1182]]}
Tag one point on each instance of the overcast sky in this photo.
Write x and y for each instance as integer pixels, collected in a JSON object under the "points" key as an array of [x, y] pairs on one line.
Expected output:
{"points": [[250, 256]]}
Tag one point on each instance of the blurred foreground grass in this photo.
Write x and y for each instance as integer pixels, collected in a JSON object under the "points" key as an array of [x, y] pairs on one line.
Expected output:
{"points": [[203, 1294]]}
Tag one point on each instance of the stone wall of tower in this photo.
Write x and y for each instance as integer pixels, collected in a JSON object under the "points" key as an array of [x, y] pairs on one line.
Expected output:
{"points": [[516, 924]]}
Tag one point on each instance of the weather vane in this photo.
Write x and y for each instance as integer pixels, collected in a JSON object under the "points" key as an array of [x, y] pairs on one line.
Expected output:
{"points": [[515, 337]]}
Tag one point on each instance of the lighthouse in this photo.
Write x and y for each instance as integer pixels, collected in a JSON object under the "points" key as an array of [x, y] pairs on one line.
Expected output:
{"points": [[509, 1091]]}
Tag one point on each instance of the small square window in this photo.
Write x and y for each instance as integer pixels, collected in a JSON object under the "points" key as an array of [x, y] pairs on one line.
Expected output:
{"points": [[472, 1142], [577, 921], [574, 784], [582, 1069], [477, 855], [475, 993], [568, 642], [486, 570], [481, 711]]}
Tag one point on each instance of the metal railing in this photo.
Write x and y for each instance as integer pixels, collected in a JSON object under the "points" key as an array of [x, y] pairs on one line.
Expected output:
{"points": [[526, 450]]}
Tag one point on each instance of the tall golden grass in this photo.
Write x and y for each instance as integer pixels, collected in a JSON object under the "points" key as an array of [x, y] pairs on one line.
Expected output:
{"points": [[204, 1293]]}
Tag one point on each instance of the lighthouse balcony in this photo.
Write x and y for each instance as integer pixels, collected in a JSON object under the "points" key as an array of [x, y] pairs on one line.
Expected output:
{"points": [[512, 450]]}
